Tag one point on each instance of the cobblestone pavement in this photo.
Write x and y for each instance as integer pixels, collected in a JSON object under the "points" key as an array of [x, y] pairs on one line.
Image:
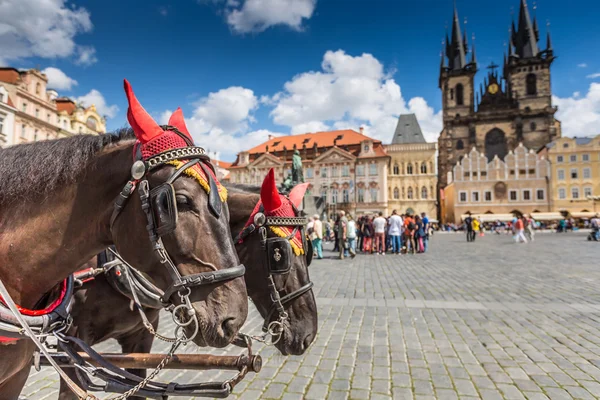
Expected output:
{"points": [[489, 319]]}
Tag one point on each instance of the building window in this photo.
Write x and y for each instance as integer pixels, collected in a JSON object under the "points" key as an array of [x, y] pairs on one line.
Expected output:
{"points": [[334, 172], [23, 131], [460, 145], [309, 172], [423, 168], [35, 135], [345, 170], [540, 194], [366, 148], [2, 98], [562, 193], [585, 157], [531, 85], [559, 159], [334, 196], [65, 123], [475, 197], [527, 194], [487, 196], [532, 126], [396, 169], [48, 117], [361, 195], [565, 145], [462, 197], [424, 193], [324, 193], [24, 107], [37, 112], [574, 192], [409, 169], [561, 174], [410, 193], [460, 95], [574, 173], [345, 196], [360, 170], [38, 88], [373, 169], [573, 158], [514, 196], [587, 192], [373, 193], [91, 123], [396, 193], [2, 116], [587, 173], [323, 172]]}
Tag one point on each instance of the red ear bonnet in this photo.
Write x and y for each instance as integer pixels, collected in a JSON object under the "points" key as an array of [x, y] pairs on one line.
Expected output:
{"points": [[269, 194], [297, 194], [144, 127], [178, 122]]}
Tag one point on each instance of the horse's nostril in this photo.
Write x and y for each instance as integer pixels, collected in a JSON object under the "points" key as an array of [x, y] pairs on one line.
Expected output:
{"points": [[230, 327], [307, 341]]}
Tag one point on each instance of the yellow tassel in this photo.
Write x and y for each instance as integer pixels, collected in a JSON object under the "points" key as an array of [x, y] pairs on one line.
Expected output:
{"points": [[298, 250], [201, 179]]}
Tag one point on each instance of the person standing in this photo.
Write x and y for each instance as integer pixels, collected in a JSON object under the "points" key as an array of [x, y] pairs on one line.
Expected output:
{"points": [[476, 227], [469, 227], [379, 225], [342, 226], [529, 228], [427, 228], [351, 235], [395, 231], [367, 231], [317, 236], [419, 233], [520, 231], [409, 234], [336, 234], [595, 224]]}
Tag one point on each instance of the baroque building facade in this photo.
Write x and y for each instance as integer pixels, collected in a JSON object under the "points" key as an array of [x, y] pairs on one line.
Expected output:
{"points": [[412, 175], [38, 113], [508, 109], [575, 183], [345, 167], [519, 184]]}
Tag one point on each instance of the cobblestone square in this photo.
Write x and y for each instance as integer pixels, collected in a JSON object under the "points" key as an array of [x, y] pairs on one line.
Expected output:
{"points": [[489, 320]]}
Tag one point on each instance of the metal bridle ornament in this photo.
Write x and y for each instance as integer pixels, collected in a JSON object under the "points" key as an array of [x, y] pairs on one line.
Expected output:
{"points": [[278, 260]]}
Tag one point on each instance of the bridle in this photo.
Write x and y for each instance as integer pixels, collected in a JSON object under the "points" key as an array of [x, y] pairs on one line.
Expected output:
{"points": [[160, 207], [278, 261]]}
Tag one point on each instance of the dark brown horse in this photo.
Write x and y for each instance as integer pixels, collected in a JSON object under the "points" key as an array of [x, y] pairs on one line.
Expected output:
{"points": [[101, 313], [56, 206]]}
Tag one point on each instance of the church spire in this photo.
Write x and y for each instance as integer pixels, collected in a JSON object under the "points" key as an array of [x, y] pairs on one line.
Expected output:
{"points": [[525, 38], [456, 46]]}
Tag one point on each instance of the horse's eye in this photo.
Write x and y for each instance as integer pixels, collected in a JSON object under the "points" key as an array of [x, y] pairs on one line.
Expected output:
{"points": [[182, 200]]}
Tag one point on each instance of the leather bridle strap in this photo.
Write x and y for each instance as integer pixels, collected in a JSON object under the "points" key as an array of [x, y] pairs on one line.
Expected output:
{"points": [[285, 299]]}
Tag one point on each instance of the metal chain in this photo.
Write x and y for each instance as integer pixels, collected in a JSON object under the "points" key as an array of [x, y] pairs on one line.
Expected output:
{"points": [[175, 154], [152, 375]]}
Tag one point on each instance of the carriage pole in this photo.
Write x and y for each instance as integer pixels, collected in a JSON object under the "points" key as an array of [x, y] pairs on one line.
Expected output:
{"points": [[196, 362]]}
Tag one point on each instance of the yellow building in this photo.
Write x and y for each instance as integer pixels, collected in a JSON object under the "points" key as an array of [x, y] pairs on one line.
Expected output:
{"points": [[412, 177], [517, 185], [575, 175], [76, 119]]}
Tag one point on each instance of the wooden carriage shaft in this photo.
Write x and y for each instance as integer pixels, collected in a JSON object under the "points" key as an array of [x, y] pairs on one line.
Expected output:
{"points": [[179, 361]]}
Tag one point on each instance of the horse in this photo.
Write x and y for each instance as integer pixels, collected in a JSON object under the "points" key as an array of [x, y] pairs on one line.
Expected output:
{"points": [[58, 209], [100, 312]]}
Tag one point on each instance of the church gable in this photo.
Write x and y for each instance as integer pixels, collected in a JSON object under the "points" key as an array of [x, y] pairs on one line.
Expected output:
{"points": [[335, 155], [267, 160]]}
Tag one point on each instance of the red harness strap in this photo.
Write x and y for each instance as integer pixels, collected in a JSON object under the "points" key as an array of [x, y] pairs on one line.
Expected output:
{"points": [[35, 313]]}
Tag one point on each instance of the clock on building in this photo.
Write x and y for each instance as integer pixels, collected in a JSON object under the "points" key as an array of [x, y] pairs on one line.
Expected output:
{"points": [[493, 88]]}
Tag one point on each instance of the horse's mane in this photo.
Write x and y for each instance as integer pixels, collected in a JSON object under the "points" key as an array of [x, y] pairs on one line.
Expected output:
{"points": [[242, 188], [32, 170]]}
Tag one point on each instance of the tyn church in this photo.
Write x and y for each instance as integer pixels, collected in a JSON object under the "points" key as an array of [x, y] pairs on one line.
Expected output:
{"points": [[509, 108]]}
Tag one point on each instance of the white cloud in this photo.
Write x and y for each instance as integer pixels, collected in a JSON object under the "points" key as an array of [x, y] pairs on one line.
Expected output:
{"points": [[582, 65], [252, 16], [580, 116], [41, 28], [86, 55], [594, 76], [96, 98], [349, 92], [58, 80], [222, 119]]}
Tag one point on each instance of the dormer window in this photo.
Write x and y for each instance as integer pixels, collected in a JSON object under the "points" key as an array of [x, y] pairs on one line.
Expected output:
{"points": [[366, 148]]}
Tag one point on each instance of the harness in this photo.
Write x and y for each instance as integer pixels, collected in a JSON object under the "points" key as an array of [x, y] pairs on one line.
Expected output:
{"points": [[278, 261]]}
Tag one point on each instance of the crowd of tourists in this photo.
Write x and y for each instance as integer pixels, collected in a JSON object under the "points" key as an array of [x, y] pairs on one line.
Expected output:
{"points": [[371, 234]]}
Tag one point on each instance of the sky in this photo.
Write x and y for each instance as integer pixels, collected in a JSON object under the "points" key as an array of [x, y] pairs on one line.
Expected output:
{"points": [[245, 69]]}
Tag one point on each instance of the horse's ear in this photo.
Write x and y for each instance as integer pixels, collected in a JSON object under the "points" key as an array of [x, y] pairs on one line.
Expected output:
{"points": [[269, 195], [178, 122], [297, 194], [144, 126]]}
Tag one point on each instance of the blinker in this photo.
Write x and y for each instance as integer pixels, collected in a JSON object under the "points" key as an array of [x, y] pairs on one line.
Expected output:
{"points": [[138, 169]]}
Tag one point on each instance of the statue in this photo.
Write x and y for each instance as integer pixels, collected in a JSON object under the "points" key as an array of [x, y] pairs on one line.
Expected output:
{"points": [[287, 185], [297, 173]]}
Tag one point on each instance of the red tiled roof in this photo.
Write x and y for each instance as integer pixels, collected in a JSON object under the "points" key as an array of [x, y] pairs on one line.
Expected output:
{"points": [[9, 75], [65, 104], [323, 139], [222, 164]]}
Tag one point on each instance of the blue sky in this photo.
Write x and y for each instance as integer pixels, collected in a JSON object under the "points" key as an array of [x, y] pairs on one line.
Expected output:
{"points": [[242, 70]]}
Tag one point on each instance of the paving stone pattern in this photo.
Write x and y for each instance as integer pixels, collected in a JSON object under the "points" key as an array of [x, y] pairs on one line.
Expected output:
{"points": [[488, 320]]}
